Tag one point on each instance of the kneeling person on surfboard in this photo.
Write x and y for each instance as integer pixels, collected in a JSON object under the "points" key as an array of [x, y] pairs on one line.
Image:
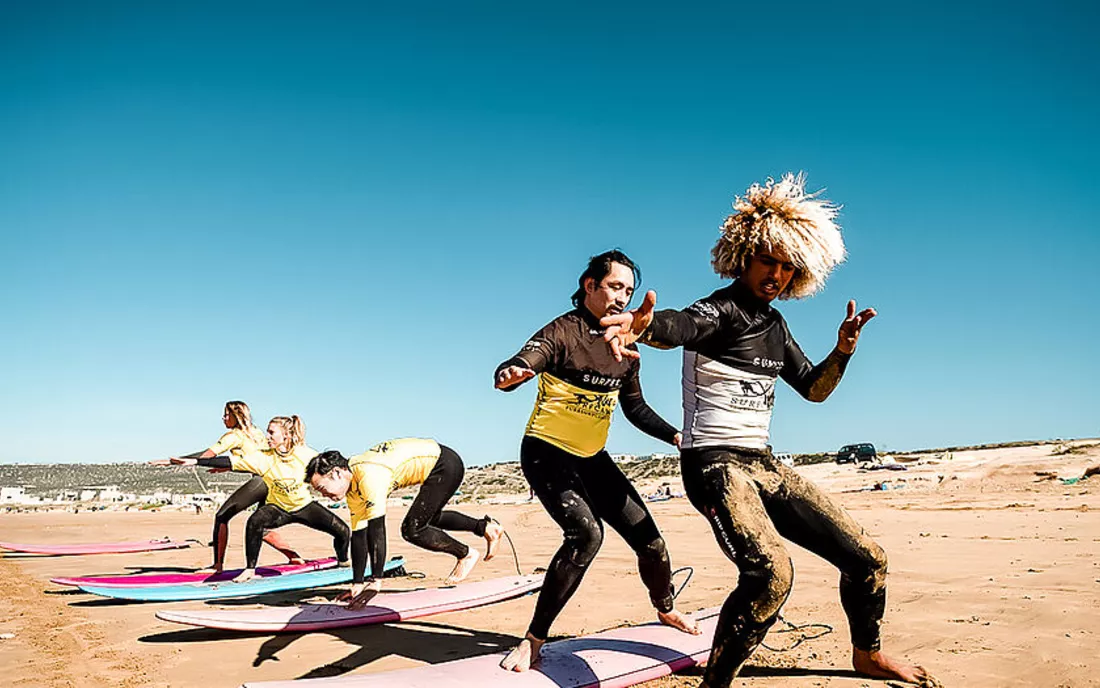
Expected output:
{"points": [[563, 452], [366, 481]]}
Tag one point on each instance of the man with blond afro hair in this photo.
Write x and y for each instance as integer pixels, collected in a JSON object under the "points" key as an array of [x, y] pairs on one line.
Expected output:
{"points": [[780, 243]]}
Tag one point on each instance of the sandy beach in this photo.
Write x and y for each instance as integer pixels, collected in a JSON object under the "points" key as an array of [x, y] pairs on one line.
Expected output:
{"points": [[994, 581]]}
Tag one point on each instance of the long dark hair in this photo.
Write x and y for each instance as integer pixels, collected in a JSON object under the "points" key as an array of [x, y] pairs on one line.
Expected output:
{"points": [[599, 267]]}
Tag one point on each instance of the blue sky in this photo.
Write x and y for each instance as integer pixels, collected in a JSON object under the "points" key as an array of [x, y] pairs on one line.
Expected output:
{"points": [[355, 213]]}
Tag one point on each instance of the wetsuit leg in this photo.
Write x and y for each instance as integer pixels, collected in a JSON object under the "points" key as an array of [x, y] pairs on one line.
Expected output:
{"points": [[424, 524], [806, 516], [267, 517], [321, 518], [552, 473], [618, 503], [730, 500], [252, 492]]}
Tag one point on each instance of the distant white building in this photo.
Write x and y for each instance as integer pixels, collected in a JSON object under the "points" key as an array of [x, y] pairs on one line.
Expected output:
{"points": [[88, 495], [12, 495]]}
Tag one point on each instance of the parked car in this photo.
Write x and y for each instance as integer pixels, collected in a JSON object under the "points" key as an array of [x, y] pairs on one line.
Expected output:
{"points": [[785, 459], [856, 453]]}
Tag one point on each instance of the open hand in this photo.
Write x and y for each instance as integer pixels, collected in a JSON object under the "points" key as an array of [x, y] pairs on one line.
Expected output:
{"points": [[848, 334], [623, 329], [512, 376]]}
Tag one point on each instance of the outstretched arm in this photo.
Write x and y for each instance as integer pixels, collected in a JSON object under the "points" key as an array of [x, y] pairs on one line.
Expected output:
{"points": [[660, 329]]}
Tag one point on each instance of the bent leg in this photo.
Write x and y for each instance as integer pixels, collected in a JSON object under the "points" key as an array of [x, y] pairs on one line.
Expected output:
{"points": [[552, 473], [618, 503], [423, 525], [267, 517], [320, 518], [731, 502], [807, 517], [252, 492]]}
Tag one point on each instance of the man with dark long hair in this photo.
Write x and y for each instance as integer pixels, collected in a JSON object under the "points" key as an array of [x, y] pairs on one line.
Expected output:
{"points": [[563, 455]]}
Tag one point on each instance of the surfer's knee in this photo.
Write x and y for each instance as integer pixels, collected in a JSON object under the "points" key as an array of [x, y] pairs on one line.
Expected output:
{"points": [[584, 541], [769, 584], [655, 550], [411, 529]]}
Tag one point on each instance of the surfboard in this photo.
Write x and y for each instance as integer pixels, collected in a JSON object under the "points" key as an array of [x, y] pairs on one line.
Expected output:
{"points": [[216, 591], [386, 607], [140, 580], [617, 658], [101, 548]]}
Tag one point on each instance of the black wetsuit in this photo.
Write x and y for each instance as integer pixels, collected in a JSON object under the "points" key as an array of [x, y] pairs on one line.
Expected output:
{"points": [[424, 524], [564, 460], [735, 346], [268, 516]]}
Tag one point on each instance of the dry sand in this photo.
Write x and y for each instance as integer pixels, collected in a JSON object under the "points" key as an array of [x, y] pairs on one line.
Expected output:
{"points": [[994, 581]]}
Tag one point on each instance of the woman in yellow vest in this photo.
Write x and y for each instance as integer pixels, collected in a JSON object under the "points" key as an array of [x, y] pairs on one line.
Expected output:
{"points": [[366, 481], [241, 438]]}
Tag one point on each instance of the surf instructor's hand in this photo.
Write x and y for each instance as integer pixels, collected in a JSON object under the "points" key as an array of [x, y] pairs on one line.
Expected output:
{"points": [[848, 334], [512, 376], [623, 329]]}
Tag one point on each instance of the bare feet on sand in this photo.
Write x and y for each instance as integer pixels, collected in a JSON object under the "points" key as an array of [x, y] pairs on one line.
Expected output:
{"points": [[879, 665], [463, 567], [493, 533], [679, 621], [245, 576], [523, 656]]}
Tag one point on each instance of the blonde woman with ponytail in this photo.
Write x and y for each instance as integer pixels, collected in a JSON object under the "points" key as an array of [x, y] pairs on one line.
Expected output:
{"points": [[241, 438], [282, 467]]}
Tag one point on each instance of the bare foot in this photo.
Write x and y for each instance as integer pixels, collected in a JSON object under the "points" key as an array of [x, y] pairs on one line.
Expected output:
{"points": [[493, 533], [210, 570], [463, 567], [297, 561], [523, 656], [879, 665], [245, 576], [679, 621]]}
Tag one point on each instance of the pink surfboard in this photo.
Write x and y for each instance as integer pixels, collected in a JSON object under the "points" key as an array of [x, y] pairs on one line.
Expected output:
{"points": [[612, 659], [142, 580], [102, 548], [386, 607]]}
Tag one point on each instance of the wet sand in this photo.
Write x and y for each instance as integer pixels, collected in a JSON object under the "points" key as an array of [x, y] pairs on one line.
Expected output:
{"points": [[994, 581]]}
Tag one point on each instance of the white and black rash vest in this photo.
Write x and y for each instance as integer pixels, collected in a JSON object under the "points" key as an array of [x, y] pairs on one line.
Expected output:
{"points": [[735, 346], [580, 383]]}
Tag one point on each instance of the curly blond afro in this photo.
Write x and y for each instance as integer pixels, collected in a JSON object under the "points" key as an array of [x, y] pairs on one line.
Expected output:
{"points": [[781, 215]]}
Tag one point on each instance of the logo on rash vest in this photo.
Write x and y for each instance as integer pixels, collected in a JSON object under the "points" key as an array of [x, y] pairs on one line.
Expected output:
{"points": [[595, 405], [706, 309], [610, 382], [753, 395], [382, 448], [285, 485]]}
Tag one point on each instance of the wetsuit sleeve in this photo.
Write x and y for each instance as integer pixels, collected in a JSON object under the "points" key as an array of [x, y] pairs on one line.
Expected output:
{"points": [[640, 414], [369, 543], [696, 323], [813, 382], [216, 462], [538, 354]]}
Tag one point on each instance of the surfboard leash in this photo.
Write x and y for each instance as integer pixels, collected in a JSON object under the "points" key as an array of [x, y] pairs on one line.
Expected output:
{"points": [[690, 572], [515, 556], [822, 630]]}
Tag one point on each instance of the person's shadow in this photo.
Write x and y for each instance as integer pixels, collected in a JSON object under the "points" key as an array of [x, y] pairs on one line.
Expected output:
{"points": [[426, 642]]}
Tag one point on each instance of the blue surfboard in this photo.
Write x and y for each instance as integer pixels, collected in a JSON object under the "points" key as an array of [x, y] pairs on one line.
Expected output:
{"points": [[228, 589]]}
